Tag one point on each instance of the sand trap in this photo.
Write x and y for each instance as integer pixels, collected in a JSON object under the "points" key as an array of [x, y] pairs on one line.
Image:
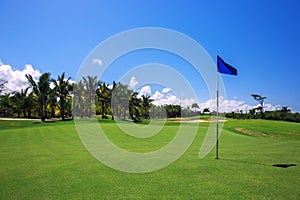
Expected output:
{"points": [[198, 121], [19, 119]]}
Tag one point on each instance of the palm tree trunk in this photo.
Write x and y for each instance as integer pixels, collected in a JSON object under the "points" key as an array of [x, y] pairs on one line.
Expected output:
{"points": [[62, 110], [102, 109]]}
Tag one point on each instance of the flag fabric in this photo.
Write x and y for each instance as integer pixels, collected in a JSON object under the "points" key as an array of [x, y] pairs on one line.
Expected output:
{"points": [[225, 68]]}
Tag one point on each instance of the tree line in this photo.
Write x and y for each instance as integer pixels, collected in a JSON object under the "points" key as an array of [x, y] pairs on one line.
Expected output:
{"points": [[86, 98], [38, 99], [91, 96], [284, 114]]}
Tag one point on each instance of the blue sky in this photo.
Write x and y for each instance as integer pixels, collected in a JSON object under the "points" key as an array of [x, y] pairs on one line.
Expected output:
{"points": [[260, 38]]}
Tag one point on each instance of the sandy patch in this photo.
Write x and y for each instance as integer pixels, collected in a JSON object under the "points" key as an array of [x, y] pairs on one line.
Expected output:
{"points": [[254, 133], [198, 121], [19, 119]]}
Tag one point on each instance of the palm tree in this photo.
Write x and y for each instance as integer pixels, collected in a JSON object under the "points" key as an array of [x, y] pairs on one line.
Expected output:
{"points": [[173, 110], [195, 105], [19, 99], [146, 103], [90, 84], [103, 94], [111, 101], [2, 85], [5, 102], [285, 109], [261, 100], [41, 90], [79, 100], [120, 98], [30, 103], [206, 110], [134, 107], [52, 102], [62, 88]]}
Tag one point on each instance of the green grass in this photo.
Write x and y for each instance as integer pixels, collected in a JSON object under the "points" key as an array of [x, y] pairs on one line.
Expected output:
{"points": [[48, 161]]}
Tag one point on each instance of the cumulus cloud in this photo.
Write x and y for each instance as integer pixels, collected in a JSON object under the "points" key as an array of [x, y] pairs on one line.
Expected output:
{"points": [[188, 102], [16, 79], [146, 90], [164, 97], [233, 105], [97, 61], [170, 99], [133, 82], [166, 90], [157, 96], [110, 86]]}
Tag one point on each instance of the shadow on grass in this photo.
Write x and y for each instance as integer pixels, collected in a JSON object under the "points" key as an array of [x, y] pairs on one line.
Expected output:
{"points": [[241, 161], [45, 122], [255, 163], [284, 165]]}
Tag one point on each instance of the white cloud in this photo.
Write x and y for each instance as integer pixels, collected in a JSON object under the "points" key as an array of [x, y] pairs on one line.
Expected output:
{"points": [[170, 99], [110, 86], [133, 82], [188, 102], [97, 61], [270, 107], [157, 95], [233, 105], [225, 105], [146, 90], [166, 90], [16, 79]]}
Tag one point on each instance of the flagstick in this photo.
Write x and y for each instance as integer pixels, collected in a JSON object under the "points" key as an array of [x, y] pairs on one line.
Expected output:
{"points": [[217, 119]]}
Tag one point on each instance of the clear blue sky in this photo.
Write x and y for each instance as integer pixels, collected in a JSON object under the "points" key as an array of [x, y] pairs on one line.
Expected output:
{"points": [[260, 38]]}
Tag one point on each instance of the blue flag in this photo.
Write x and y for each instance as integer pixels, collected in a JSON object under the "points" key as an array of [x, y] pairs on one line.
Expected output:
{"points": [[225, 68]]}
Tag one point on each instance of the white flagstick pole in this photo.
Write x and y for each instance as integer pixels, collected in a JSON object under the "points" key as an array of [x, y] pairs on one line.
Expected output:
{"points": [[217, 119]]}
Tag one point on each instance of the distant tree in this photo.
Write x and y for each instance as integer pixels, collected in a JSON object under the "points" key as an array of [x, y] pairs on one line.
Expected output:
{"points": [[206, 110], [195, 105], [285, 109], [19, 100], [90, 84], [112, 101], [261, 100], [30, 103], [2, 85], [134, 107], [146, 104], [120, 100], [62, 89], [41, 90], [52, 102], [79, 100], [5, 102], [173, 110], [103, 95]]}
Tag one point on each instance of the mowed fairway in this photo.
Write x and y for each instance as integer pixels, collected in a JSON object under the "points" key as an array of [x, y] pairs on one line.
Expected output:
{"points": [[48, 161]]}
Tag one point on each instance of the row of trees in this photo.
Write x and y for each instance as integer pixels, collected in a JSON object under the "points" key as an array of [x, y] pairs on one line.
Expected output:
{"points": [[119, 101], [86, 98], [38, 99], [284, 113], [91, 97]]}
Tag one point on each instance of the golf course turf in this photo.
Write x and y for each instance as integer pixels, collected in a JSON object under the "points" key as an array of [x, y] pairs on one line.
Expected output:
{"points": [[48, 161]]}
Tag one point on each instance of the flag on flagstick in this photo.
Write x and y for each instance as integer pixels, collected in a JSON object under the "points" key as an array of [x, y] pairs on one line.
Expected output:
{"points": [[223, 68]]}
